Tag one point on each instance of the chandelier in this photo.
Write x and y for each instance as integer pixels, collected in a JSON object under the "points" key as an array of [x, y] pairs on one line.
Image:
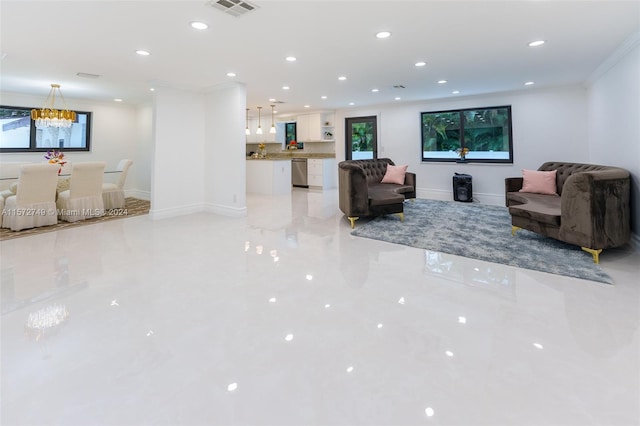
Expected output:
{"points": [[48, 116]]}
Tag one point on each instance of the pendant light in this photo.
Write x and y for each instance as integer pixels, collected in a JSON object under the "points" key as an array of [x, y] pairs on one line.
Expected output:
{"points": [[259, 131], [273, 126], [247, 131]]}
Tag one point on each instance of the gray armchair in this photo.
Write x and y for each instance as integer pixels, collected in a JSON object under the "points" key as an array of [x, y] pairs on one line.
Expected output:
{"points": [[591, 209], [361, 192]]}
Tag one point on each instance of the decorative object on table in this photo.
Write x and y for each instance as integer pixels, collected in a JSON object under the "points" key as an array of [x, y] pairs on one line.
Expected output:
{"points": [[293, 145], [485, 238], [56, 157], [49, 116], [462, 153], [261, 147]]}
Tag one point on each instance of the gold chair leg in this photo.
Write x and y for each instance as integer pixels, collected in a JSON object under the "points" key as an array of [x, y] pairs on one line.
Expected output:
{"points": [[594, 252], [401, 216], [353, 221], [514, 229]]}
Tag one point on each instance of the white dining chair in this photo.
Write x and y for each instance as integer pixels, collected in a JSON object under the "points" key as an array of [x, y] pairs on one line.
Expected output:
{"points": [[113, 193], [83, 199], [34, 203]]}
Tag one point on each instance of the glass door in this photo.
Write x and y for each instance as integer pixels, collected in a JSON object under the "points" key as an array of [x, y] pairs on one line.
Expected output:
{"points": [[361, 141]]}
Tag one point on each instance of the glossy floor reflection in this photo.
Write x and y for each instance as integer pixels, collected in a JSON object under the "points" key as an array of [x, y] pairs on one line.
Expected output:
{"points": [[285, 318]]}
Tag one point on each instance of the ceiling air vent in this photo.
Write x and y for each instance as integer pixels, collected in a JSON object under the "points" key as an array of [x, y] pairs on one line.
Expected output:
{"points": [[398, 86], [87, 75], [234, 8]]}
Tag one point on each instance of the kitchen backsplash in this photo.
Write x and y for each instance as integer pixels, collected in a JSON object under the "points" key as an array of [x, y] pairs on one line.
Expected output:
{"points": [[309, 147]]}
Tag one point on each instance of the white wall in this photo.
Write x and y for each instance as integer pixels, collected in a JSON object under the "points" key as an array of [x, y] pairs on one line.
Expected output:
{"points": [[141, 170], [224, 151], [614, 117], [113, 136], [548, 125], [177, 175]]}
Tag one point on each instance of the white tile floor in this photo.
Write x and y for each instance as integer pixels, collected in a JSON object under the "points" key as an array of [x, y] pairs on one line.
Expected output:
{"points": [[284, 318]]}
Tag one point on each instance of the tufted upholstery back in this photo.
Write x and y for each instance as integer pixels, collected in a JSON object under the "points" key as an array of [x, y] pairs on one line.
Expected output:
{"points": [[374, 170], [564, 170]]}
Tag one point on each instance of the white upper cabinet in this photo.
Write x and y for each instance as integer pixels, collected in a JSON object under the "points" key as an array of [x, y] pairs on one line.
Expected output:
{"points": [[315, 127]]}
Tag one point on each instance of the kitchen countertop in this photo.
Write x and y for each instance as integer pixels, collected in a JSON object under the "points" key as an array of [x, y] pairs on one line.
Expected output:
{"points": [[289, 155]]}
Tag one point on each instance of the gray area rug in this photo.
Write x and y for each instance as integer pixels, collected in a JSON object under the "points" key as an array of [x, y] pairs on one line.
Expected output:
{"points": [[483, 232]]}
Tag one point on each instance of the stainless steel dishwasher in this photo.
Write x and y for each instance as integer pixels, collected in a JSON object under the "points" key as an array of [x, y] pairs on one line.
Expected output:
{"points": [[299, 172]]}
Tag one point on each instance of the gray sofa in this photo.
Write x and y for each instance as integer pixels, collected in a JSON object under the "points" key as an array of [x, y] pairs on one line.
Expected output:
{"points": [[361, 192], [591, 209]]}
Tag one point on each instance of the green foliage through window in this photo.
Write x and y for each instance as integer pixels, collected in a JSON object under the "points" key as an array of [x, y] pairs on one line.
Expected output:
{"points": [[485, 132]]}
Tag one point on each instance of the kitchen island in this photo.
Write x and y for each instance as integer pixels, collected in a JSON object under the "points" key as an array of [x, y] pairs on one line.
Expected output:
{"points": [[269, 176]]}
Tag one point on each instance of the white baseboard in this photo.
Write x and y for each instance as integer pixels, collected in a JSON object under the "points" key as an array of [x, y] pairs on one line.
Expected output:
{"points": [[442, 195], [198, 208], [225, 210], [155, 214]]}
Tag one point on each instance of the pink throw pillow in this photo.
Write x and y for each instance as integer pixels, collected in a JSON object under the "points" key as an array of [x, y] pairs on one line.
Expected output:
{"points": [[539, 182], [395, 174]]}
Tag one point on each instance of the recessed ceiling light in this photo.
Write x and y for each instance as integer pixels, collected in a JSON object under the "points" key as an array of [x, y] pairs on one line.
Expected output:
{"points": [[152, 89], [421, 64], [342, 78], [272, 99], [383, 34], [442, 81], [455, 92], [375, 90], [199, 25], [231, 74], [117, 100], [529, 83], [323, 97], [291, 58], [352, 103], [397, 98], [143, 52], [307, 106], [536, 43], [285, 88]]}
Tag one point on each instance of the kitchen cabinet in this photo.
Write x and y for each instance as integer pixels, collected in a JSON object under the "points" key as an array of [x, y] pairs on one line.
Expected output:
{"points": [[269, 177], [315, 127], [321, 172]]}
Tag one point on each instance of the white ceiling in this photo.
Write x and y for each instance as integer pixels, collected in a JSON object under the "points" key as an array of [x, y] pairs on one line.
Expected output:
{"points": [[478, 46]]}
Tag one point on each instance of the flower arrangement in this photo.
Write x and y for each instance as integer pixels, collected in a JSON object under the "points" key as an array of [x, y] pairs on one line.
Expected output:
{"points": [[462, 152], [293, 145], [262, 145], [56, 157]]}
